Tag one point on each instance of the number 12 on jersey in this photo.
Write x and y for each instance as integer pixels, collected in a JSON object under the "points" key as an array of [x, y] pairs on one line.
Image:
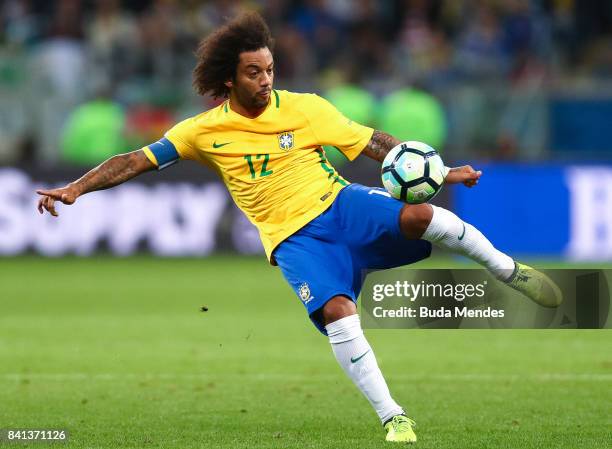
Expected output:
{"points": [[264, 166]]}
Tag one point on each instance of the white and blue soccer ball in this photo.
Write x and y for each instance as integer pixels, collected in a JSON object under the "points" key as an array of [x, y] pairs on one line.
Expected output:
{"points": [[413, 172]]}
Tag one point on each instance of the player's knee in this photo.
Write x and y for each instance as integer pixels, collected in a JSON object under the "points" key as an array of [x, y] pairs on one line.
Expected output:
{"points": [[414, 219], [337, 308]]}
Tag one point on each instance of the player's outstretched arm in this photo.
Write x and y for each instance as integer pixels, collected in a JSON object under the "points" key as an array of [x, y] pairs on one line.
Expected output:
{"points": [[381, 143], [465, 175], [109, 173]]}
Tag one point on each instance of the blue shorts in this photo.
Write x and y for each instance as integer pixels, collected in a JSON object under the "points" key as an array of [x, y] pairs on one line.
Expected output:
{"points": [[328, 256]]}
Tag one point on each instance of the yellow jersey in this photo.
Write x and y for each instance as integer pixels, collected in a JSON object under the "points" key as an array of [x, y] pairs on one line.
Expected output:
{"points": [[273, 165]]}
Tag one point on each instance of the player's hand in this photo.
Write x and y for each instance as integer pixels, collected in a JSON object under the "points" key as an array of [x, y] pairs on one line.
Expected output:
{"points": [[465, 175], [66, 195]]}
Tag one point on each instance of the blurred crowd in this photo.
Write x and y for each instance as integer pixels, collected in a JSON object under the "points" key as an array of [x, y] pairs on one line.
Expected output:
{"points": [[130, 61]]}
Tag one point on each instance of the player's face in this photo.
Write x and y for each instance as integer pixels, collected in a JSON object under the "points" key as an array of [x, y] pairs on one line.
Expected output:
{"points": [[254, 77]]}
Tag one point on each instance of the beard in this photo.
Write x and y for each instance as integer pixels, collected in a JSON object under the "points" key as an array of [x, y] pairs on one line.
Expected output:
{"points": [[260, 102], [252, 100]]}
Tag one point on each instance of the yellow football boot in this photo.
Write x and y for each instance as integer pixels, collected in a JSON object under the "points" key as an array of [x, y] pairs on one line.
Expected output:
{"points": [[399, 429], [535, 285]]}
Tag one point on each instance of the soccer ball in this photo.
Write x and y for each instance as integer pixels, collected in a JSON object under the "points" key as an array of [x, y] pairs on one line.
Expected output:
{"points": [[413, 172]]}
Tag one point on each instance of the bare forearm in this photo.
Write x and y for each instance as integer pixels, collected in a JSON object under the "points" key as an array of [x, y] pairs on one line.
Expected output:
{"points": [[109, 173], [379, 145], [113, 171]]}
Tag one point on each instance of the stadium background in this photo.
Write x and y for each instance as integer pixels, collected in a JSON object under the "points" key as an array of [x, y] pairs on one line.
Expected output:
{"points": [[115, 349]]}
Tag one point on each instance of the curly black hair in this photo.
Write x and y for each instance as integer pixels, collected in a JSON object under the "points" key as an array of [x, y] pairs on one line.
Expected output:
{"points": [[219, 53]]}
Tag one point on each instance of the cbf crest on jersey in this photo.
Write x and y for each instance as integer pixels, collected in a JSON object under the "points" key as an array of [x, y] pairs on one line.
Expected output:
{"points": [[285, 140], [304, 293]]}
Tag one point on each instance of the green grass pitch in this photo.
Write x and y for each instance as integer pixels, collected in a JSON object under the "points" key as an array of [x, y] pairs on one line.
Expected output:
{"points": [[118, 352]]}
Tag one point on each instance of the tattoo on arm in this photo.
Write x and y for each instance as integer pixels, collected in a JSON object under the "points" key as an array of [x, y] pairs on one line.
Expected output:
{"points": [[379, 145], [114, 171]]}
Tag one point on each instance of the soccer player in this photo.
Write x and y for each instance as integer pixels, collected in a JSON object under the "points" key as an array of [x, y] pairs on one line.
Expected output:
{"points": [[266, 146]]}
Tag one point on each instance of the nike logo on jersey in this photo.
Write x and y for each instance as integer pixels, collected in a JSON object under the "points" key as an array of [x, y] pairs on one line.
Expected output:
{"points": [[356, 359], [219, 145], [463, 233]]}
